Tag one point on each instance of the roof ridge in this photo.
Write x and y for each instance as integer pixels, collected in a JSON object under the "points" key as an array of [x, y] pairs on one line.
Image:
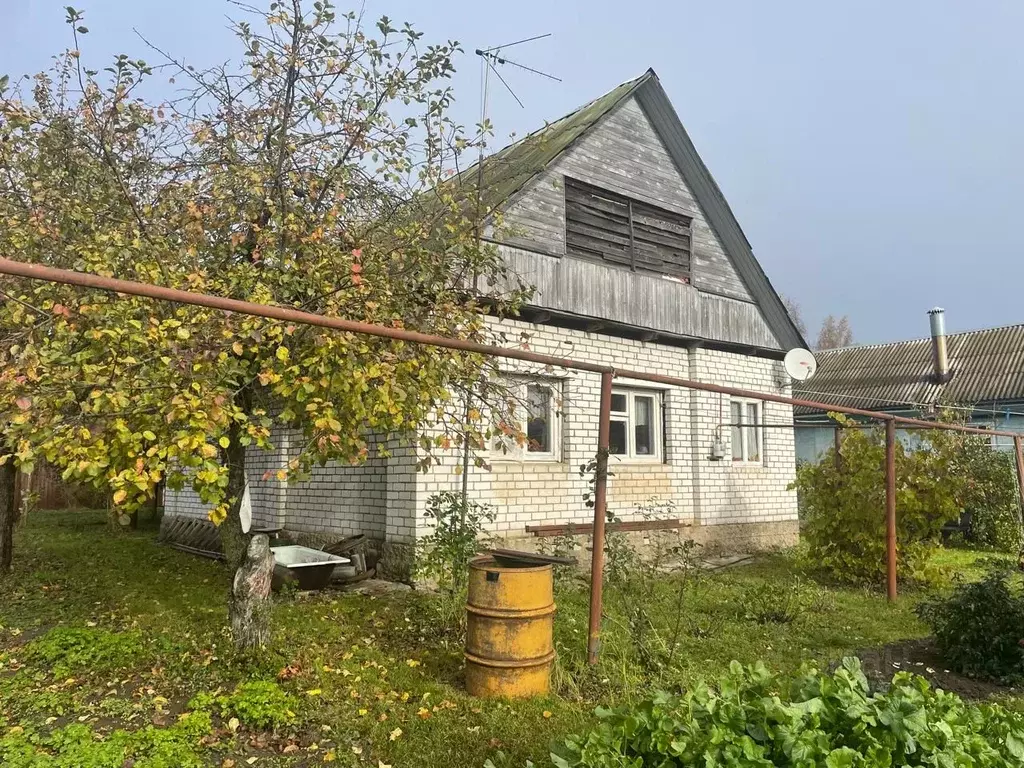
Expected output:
{"points": [[879, 344]]}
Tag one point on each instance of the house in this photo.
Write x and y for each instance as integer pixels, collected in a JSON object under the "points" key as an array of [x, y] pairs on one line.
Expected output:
{"points": [[638, 262], [979, 373]]}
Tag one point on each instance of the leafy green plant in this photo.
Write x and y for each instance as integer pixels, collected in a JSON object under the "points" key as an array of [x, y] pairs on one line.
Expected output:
{"points": [[258, 704], [459, 533], [774, 603], [843, 507], [66, 649], [991, 496], [979, 628], [78, 746], [753, 718]]}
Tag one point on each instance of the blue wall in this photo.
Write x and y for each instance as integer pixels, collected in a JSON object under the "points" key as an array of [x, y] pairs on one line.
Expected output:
{"points": [[811, 443]]}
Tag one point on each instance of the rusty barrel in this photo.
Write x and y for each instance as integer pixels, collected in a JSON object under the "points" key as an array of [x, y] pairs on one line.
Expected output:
{"points": [[510, 618]]}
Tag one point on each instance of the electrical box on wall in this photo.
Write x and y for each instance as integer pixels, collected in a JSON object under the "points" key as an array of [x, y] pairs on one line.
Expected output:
{"points": [[717, 450]]}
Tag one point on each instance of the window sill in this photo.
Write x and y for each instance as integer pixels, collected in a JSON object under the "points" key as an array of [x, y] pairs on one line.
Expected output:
{"points": [[627, 461], [508, 459]]}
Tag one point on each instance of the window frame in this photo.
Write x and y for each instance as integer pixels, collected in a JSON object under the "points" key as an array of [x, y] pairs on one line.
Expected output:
{"points": [[628, 417], [513, 452], [757, 429]]}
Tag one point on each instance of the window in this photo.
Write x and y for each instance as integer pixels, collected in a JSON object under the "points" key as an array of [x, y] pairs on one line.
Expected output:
{"points": [[745, 418], [611, 228], [635, 428], [534, 408]]}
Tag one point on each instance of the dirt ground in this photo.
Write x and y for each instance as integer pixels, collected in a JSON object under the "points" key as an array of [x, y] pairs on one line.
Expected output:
{"points": [[922, 658]]}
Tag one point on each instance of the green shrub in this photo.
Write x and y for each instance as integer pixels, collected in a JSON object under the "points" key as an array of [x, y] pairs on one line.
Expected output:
{"points": [[979, 627], [991, 497], [844, 509], [756, 719], [258, 704], [67, 649]]}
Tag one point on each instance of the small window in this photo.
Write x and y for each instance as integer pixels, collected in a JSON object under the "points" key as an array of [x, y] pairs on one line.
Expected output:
{"points": [[614, 229], [534, 408], [635, 429], [746, 428]]}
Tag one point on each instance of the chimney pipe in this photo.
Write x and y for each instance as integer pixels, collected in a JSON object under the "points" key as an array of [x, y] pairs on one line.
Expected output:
{"points": [[937, 320]]}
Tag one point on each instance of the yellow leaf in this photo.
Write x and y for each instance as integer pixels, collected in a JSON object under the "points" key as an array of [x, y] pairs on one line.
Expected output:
{"points": [[149, 435], [182, 333], [224, 441], [412, 662], [330, 757], [314, 692], [237, 348], [233, 724], [282, 354], [395, 735], [423, 713], [546, 714], [120, 496]]}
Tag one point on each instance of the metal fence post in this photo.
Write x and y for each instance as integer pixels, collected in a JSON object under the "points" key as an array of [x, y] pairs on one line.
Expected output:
{"points": [[837, 439], [1018, 449], [890, 507], [600, 507]]}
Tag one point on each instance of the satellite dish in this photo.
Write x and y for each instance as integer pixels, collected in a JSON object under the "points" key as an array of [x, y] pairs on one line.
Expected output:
{"points": [[800, 364]]}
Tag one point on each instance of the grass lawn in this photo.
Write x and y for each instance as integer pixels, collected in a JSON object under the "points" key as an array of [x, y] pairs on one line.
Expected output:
{"points": [[107, 641]]}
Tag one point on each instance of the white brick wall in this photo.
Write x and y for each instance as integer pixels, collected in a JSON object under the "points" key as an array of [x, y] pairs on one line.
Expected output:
{"points": [[385, 498]]}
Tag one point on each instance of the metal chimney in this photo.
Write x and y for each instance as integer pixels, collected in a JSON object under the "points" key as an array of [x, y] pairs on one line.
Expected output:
{"points": [[937, 320]]}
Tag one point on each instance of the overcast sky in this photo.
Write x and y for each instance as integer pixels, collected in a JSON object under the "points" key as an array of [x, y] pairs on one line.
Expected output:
{"points": [[871, 150]]}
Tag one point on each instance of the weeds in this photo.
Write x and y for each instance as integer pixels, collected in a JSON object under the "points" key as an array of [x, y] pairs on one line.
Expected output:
{"points": [[258, 703]]}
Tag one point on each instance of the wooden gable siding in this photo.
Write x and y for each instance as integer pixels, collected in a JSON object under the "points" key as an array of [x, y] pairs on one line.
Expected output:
{"points": [[622, 154], [640, 299]]}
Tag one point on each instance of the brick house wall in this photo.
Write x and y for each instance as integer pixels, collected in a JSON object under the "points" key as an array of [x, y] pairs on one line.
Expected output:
{"points": [[735, 505]]}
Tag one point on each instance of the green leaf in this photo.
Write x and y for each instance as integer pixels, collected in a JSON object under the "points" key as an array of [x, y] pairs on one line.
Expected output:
{"points": [[82, 30], [224, 441]]}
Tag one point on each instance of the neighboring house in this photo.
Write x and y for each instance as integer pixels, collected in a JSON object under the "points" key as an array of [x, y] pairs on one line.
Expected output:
{"points": [[638, 262], [981, 374]]}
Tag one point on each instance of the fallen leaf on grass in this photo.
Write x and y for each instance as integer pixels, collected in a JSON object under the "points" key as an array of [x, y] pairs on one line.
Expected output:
{"points": [[233, 724], [395, 734], [424, 713], [546, 714]]}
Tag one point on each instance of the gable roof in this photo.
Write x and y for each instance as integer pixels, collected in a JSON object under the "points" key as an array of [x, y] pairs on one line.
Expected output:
{"points": [[511, 169], [987, 366]]}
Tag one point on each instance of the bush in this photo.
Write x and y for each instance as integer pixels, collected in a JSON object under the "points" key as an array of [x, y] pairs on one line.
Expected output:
{"points": [[991, 497], [753, 718], [774, 603], [258, 704], [844, 509], [979, 628]]}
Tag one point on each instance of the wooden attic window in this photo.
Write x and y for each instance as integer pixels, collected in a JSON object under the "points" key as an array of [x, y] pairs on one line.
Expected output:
{"points": [[614, 229]]}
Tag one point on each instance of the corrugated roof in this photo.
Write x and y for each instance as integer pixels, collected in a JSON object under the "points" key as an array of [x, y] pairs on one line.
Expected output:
{"points": [[987, 366]]}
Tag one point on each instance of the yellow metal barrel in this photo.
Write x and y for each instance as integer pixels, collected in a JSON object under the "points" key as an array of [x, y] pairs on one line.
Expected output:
{"points": [[510, 618]]}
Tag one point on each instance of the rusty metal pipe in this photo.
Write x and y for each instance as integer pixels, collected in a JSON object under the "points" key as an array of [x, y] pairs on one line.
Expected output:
{"points": [[85, 280], [600, 510], [890, 508], [1018, 450]]}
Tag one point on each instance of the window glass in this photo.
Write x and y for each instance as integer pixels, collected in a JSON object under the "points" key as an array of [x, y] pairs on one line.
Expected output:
{"points": [[538, 419], [617, 444], [753, 433], [643, 427], [735, 418], [619, 403]]}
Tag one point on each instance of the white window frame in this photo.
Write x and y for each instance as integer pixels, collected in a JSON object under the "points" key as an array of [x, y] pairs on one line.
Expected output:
{"points": [[512, 451], [629, 418], [744, 428]]}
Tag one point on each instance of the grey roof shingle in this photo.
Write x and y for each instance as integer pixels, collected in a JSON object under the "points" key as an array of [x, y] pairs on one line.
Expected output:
{"points": [[987, 366]]}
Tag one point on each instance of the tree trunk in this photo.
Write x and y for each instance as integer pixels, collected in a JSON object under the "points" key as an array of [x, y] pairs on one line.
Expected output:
{"points": [[8, 514], [233, 539], [249, 606]]}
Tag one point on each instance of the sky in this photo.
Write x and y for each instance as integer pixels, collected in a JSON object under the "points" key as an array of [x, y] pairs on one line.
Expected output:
{"points": [[872, 151]]}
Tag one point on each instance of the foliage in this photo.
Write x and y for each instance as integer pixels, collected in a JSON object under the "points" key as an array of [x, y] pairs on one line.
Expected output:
{"points": [[754, 718], [311, 174], [844, 508], [257, 703], [835, 333], [778, 603], [991, 496], [67, 650], [78, 746], [458, 533], [979, 628]]}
